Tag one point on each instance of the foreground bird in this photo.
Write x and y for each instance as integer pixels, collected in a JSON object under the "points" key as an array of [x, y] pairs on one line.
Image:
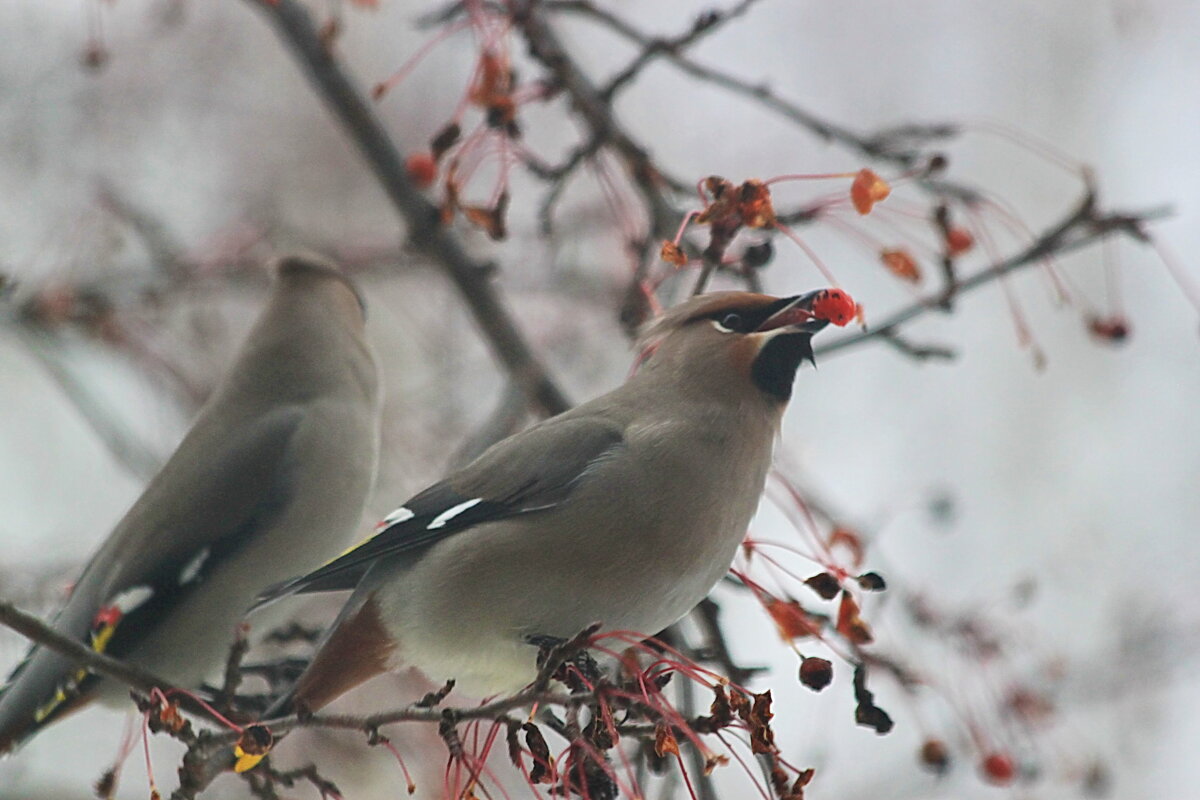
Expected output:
{"points": [[625, 510], [270, 480]]}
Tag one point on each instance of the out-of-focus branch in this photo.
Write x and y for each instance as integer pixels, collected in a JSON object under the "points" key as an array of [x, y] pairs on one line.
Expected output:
{"points": [[503, 422], [705, 24], [593, 108], [166, 253], [1081, 227], [881, 146], [427, 235], [123, 444], [921, 352]]}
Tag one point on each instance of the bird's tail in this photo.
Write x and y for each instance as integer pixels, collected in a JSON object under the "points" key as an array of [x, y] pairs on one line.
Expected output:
{"points": [[42, 689], [355, 648]]}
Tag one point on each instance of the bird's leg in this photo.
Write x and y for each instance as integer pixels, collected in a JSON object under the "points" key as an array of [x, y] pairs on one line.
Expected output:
{"points": [[556, 655]]}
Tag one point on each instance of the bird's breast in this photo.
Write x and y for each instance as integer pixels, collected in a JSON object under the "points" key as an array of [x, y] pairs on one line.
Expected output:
{"points": [[635, 547]]}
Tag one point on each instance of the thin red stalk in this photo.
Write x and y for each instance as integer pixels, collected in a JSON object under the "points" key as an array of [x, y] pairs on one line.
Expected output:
{"points": [[1112, 277], [812, 255], [624, 789], [504, 171], [154, 793], [873, 244], [816, 176], [395, 751], [776, 563], [752, 773], [1024, 233], [1024, 334], [157, 694], [129, 739], [637, 223], [407, 67], [687, 781], [472, 152], [808, 525], [763, 596], [1186, 282], [688, 217], [617, 203], [885, 217], [1027, 142]]}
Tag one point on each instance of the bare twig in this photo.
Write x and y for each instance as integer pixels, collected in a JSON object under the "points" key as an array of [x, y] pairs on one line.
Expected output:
{"points": [[1081, 227], [126, 447], [166, 253], [921, 352], [707, 23], [880, 146], [594, 110], [470, 276], [233, 669], [707, 615]]}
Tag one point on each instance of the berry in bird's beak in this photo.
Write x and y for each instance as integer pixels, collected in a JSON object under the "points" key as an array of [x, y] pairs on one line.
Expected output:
{"points": [[834, 305], [813, 311]]}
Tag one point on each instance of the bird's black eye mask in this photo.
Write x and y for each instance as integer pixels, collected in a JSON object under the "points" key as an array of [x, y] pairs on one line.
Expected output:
{"points": [[747, 319]]}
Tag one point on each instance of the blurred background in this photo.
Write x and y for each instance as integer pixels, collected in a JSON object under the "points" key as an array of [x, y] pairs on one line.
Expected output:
{"points": [[174, 144]]}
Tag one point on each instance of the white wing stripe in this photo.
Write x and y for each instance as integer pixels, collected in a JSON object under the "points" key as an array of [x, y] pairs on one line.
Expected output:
{"points": [[441, 519], [131, 598], [191, 570], [401, 514]]}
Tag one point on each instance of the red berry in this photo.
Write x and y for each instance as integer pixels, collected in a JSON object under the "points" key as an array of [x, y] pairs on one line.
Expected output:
{"points": [[1111, 329], [867, 190], [999, 769], [958, 240], [421, 169], [901, 264], [836, 306]]}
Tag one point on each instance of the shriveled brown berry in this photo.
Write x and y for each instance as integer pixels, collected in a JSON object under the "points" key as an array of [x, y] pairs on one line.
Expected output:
{"points": [[824, 584], [816, 673], [934, 756], [872, 581]]}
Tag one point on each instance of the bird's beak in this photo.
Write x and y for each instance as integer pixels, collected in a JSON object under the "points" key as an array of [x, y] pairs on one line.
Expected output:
{"points": [[795, 313]]}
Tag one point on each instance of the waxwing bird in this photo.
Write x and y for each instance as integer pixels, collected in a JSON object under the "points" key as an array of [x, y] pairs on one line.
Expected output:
{"points": [[626, 510], [270, 481]]}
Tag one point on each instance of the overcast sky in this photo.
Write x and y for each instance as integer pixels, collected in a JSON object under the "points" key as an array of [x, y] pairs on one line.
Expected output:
{"points": [[1081, 476]]}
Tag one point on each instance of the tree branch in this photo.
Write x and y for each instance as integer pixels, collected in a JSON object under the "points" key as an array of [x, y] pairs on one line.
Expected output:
{"points": [[1081, 227], [590, 104], [130, 675], [427, 235]]}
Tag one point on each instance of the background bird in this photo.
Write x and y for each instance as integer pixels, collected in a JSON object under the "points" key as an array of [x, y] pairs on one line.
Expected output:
{"points": [[626, 510], [270, 480]]}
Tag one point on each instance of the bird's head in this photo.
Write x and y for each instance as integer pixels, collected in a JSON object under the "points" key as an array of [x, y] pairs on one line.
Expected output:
{"points": [[308, 272], [736, 341]]}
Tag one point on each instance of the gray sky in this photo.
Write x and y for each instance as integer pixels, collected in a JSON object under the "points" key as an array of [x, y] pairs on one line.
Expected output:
{"points": [[1080, 476]]}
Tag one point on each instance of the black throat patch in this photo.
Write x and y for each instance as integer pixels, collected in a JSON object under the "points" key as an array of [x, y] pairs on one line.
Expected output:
{"points": [[774, 370]]}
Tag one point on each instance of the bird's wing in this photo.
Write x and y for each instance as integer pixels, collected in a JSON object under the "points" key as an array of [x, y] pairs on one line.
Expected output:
{"points": [[210, 499], [530, 472]]}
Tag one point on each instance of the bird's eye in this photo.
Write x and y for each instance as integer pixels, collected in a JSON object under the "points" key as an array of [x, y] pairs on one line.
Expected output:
{"points": [[731, 322]]}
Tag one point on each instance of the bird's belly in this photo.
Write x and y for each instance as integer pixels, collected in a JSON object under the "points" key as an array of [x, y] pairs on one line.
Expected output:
{"points": [[465, 607]]}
